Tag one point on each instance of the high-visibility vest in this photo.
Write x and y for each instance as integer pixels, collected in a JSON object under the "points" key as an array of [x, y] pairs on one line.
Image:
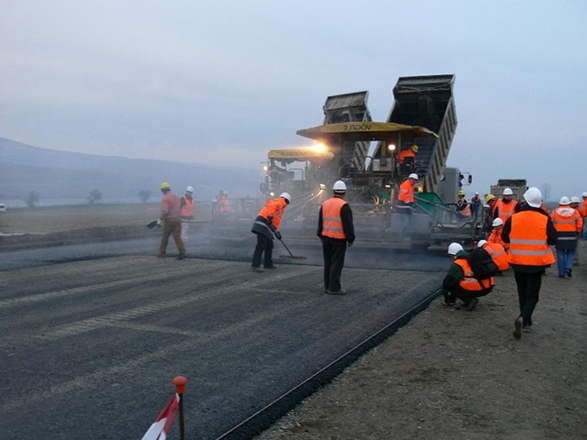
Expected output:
{"points": [[566, 227], [187, 210], [223, 205], [469, 282], [583, 208], [528, 239], [505, 210], [406, 192], [406, 153], [466, 211], [331, 219], [498, 254], [495, 237], [273, 208]]}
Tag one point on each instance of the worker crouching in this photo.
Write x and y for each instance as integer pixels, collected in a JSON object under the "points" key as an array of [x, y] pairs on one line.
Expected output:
{"points": [[266, 225], [336, 230], [461, 283]]}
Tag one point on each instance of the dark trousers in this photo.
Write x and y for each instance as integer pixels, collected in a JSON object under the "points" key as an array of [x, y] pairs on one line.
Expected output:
{"points": [[464, 295], [264, 245], [528, 290], [171, 227], [333, 251]]}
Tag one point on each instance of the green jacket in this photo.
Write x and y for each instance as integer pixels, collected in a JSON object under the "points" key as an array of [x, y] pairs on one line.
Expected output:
{"points": [[454, 275]]}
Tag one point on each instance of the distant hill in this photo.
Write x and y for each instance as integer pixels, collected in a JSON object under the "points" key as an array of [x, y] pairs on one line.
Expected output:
{"points": [[67, 175]]}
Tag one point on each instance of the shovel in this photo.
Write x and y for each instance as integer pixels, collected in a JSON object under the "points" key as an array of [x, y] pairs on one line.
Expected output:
{"points": [[152, 224], [295, 257]]}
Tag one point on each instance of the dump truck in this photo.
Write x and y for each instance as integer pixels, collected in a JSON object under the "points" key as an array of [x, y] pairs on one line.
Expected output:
{"points": [[518, 187]]}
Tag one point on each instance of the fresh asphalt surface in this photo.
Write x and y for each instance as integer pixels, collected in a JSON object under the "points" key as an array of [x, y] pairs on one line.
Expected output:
{"points": [[91, 335]]}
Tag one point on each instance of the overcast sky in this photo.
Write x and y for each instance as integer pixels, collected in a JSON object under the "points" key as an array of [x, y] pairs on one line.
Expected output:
{"points": [[222, 82]]}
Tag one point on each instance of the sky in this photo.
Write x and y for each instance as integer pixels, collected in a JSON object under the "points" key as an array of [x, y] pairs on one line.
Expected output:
{"points": [[223, 82]]}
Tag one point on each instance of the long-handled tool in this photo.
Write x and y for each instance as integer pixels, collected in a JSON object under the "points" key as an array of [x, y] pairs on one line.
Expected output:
{"points": [[278, 236], [154, 223]]}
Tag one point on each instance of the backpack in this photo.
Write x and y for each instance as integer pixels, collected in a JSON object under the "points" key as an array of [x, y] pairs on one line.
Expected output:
{"points": [[482, 264]]}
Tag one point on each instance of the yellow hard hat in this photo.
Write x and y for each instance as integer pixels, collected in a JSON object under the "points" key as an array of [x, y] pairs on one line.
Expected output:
{"points": [[489, 197], [414, 148], [165, 185], [462, 192]]}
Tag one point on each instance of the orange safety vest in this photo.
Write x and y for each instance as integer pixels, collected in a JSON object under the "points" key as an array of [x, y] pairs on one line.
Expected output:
{"points": [[505, 210], [528, 240], [469, 282], [331, 219], [572, 223], [187, 210], [223, 205], [406, 153], [406, 192], [498, 254], [583, 208], [495, 237], [273, 208], [466, 211]]}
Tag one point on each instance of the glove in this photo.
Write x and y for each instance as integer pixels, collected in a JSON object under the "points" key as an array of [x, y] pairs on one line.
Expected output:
{"points": [[158, 223], [278, 235]]}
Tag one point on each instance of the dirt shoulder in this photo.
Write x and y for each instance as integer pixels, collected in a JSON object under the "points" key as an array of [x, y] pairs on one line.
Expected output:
{"points": [[451, 374]]}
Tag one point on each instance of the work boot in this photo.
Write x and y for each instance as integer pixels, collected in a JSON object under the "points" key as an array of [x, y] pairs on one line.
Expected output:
{"points": [[527, 329], [338, 292], [180, 257], [471, 304], [257, 269], [570, 273], [518, 326]]}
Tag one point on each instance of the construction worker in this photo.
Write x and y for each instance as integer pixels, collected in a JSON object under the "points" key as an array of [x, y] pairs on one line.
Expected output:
{"points": [[460, 282], [530, 233], [504, 207], [186, 203], [266, 225], [475, 205], [568, 224], [171, 214], [336, 230], [576, 205], [497, 253], [407, 158], [405, 200], [495, 236], [488, 216], [224, 204], [583, 212], [463, 208]]}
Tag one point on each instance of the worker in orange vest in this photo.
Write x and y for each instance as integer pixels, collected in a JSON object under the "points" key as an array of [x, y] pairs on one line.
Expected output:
{"points": [[171, 215], [337, 232], [495, 236], [530, 233], [410, 155], [463, 208], [460, 281], [186, 203], [583, 212], [405, 200], [505, 207], [576, 205], [568, 224], [266, 225], [497, 253], [224, 204]]}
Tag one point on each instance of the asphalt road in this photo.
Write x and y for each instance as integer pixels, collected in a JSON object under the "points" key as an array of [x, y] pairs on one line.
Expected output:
{"points": [[90, 341]]}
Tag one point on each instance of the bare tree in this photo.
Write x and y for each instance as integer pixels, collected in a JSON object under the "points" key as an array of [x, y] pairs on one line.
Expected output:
{"points": [[94, 197], [546, 189], [32, 199], [145, 195]]}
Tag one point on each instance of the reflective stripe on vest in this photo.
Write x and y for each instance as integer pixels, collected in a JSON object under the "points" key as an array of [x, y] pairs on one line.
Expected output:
{"points": [[406, 192], [565, 224], [528, 240], [502, 213], [466, 211], [469, 282], [498, 254], [188, 209], [331, 219], [273, 208]]}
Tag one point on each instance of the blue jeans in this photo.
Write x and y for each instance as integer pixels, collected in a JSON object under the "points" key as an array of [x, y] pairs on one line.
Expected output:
{"points": [[564, 260]]}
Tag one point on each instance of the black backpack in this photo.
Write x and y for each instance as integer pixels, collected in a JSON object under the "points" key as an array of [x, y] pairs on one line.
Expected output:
{"points": [[482, 264]]}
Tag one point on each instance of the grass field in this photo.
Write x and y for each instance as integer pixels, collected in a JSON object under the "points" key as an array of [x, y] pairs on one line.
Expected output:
{"points": [[66, 218]]}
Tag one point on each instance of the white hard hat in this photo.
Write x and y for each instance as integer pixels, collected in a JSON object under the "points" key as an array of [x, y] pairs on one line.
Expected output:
{"points": [[190, 189], [413, 176], [339, 186], [476, 193], [481, 243], [497, 222], [507, 192], [286, 196], [584, 194], [533, 197], [575, 199], [454, 248], [564, 201]]}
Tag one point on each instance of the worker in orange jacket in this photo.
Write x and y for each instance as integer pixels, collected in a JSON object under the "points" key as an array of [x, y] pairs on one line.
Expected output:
{"points": [[505, 207], [530, 233], [410, 154], [337, 232], [583, 211], [405, 200], [495, 236], [568, 224], [266, 225]]}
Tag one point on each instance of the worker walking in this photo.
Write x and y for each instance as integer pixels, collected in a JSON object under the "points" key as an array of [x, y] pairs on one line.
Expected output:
{"points": [[336, 230], [186, 203], [530, 233], [171, 215], [405, 200], [568, 224], [583, 211], [463, 208], [460, 281], [265, 226], [576, 205], [505, 207]]}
